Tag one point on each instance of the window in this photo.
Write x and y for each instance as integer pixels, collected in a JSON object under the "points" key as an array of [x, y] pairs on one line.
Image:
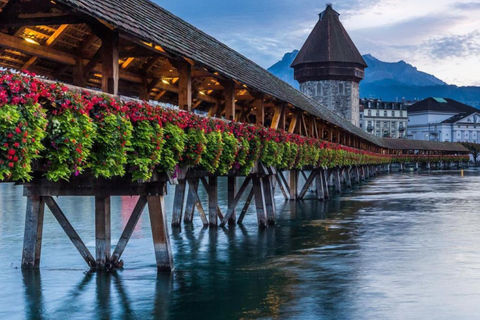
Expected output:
{"points": [[385, 113], [319, 89], [369, 112], [341, 88], [378, 113]]}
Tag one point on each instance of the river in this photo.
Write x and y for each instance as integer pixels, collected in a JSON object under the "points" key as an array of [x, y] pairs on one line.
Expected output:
{"points": [[401, 246]]}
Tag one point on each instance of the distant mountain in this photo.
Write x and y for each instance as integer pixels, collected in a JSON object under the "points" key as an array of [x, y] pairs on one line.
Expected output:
{"points": [[392, 81]]}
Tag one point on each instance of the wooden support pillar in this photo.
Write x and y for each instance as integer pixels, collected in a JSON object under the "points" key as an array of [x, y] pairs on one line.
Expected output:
{"points": [[269, 199], [144, 93], [178, 202], [229, 93], [277, 116], [79, 78], [338, 182], [348, 177], [102, 231], [294, 121], [319, 185], [32, 239], [212, 202], [259, 202], [260, 110], [184, 85], [294, 184], [283, 118], [161, 240], [325, 183], [232, 191], [110, 65]]}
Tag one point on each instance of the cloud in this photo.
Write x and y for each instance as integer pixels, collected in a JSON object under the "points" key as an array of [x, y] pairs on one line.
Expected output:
{"points": [[468, 6], [455, 46]]}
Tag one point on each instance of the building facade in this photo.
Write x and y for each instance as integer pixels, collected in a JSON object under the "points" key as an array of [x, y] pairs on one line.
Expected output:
{"points": [[329, 67], [443, 119], [384, 119]]}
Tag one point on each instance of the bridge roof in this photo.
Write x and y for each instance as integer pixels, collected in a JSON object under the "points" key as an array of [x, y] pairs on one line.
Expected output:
{"points": [[402, 144], [149, 22]]}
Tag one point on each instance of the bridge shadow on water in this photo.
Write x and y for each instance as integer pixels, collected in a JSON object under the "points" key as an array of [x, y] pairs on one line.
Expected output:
{"points": [[224, 273]]}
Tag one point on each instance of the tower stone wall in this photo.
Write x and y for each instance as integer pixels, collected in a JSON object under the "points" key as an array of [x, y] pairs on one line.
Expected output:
{"points": [[341, 97]]}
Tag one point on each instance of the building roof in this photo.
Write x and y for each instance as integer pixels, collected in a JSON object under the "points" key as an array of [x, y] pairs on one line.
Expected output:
{"points": [[329, 42], [441, 105], [403, 144]]}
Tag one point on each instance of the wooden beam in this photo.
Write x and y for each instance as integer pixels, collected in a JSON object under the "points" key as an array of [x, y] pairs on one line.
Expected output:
{"points": [[277, 117], [102, 231], [161, 240], [293, 122], [128, 231], [184, 85], [110, 66], [44, 21], [70, 231], [32, 239], [48, 43], [229, 94], [260, 110]]}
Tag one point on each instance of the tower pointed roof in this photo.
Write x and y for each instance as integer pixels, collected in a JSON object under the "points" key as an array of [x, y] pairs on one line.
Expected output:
{"points": [[329, 42]]}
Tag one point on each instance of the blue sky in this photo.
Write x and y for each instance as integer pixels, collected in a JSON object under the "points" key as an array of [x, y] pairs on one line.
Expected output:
{"points": [[441, 37]]}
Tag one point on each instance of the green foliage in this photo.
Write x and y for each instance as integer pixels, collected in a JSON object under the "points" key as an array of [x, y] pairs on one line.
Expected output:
{"points": [[113, 141], [211, 158], [271, 154], [195, 145], [230, 149], [69, 142], [173, 147], [242, 153], [254, 149]]}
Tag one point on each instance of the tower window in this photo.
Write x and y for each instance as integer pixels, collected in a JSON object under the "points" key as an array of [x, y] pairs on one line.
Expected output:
{"points": [[319, 89], [341, 88]]}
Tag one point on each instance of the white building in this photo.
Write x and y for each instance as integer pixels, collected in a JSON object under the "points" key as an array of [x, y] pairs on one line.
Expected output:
{"points": [[383, 119], [439, 119]]}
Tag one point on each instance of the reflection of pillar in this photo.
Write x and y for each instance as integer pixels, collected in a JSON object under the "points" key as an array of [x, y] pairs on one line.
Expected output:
{"points": [[32, 282], [126, 207], [104, 280]]}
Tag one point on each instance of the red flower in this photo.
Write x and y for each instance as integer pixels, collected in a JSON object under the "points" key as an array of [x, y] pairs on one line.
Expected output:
{"points": [[18, 130], [11, 152]]}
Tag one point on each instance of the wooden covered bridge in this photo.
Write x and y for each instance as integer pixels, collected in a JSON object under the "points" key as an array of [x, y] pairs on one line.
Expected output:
{"points": [[136, 49]]}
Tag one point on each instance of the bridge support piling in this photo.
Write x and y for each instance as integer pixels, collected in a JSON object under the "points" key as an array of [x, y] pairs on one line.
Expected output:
{"points": [[212, 202], [325, 183], [232, 190], [178, 201], [294, 184], [348, 177], [269, 199], [32, 241], [319, 185], [260, 202], [161, 240], [337, 181], [103, 237]]}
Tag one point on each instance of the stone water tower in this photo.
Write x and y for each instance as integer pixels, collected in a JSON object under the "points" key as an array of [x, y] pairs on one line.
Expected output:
{"points": [[329, 67]]}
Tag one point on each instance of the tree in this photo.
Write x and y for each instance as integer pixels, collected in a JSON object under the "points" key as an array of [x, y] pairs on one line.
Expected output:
{"points": [[474, 149]]}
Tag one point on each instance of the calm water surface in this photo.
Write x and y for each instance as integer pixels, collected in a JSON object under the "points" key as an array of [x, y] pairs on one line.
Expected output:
{"points": [[402, 246]]}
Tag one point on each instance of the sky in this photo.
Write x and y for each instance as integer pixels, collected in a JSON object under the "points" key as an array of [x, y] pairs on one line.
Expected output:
{"points": [[440, 37]]}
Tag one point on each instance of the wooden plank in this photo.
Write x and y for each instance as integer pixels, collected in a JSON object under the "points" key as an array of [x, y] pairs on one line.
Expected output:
{"points": [[212, 202], [110, 66], [184, 85], [70, 231], [276, 117], [102, 231], [308, 183], [41, 21], [161, 240], [229, 95], [231, 192], [178, 201], [32, 238], [128, 231], [259, 106], [233, 203], [259, 202], [269, 199], [245, 207], [293, 122], [193, 186]]}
